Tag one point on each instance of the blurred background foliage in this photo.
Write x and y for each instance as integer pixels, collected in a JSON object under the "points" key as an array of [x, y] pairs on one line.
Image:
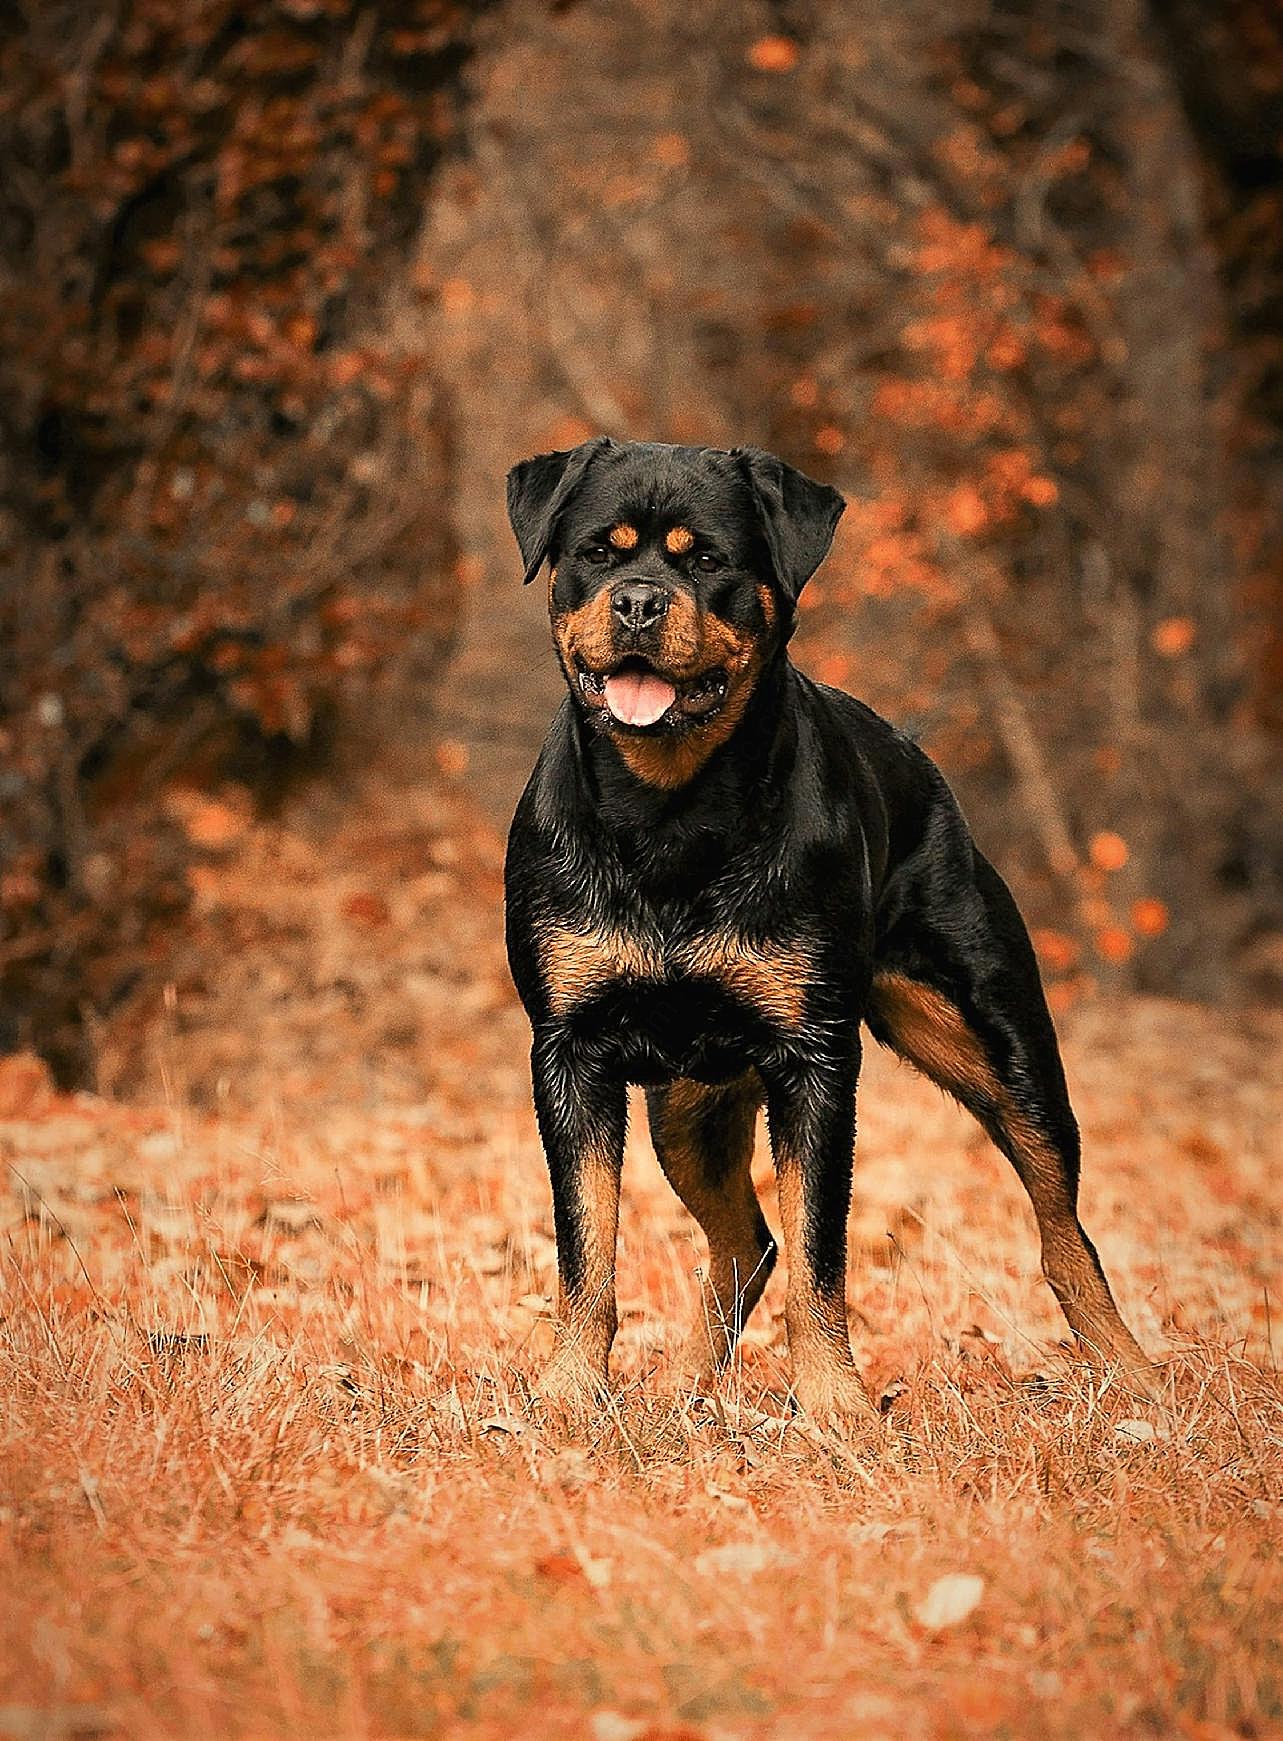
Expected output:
{"points": [[287, 287], [227, 474]]}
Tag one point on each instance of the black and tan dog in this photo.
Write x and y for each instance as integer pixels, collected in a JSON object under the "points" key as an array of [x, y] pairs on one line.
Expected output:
{"points": [[718, 870]]}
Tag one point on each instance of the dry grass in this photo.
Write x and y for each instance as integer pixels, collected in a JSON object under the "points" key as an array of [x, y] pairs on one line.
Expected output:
{"points": [[268, 1469]]}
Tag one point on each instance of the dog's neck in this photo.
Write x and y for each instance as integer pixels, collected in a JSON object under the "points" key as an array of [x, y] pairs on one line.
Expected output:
{"points": [[653, 819]]}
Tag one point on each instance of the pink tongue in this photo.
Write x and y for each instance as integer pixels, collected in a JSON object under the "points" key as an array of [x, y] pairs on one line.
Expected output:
{"points": [[638, 697]]}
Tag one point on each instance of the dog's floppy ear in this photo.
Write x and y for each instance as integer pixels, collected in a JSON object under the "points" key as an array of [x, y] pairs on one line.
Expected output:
{"points": [[799, 516], [538, 489]]}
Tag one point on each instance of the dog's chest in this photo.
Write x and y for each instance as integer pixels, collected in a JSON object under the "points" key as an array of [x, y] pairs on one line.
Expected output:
{"points": [[581, 965]]}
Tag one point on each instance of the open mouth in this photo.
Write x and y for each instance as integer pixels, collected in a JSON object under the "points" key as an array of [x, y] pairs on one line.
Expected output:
{"points": [[636, 695]]}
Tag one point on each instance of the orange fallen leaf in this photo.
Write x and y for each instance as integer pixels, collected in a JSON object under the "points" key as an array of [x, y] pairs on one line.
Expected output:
{"points": [[211, 824], [346, 367], [452, 757], [567, 431], [366, 909], [965, 510], [981, 1704], [162, 255], [673, 150], [1057, 951], [457, 296], [1042, 492], [1063, 994], [1006, 352], [300, 330], [25, 1084], [19, 888], [559, 1568]]}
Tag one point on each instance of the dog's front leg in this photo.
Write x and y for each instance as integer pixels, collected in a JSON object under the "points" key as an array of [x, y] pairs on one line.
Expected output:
{"points": [[811, 1111], [581, 1106]]}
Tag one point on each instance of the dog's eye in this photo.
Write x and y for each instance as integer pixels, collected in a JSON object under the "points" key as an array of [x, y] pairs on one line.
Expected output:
{"points": [[707, 563], [596, 553]]}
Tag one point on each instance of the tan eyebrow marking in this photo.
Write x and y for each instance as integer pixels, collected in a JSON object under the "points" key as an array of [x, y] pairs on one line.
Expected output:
{"points": [[679, 540], [623, 536]]}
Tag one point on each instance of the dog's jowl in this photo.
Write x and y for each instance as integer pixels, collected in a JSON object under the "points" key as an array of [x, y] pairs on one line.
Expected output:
{"points": [[718, 871]]}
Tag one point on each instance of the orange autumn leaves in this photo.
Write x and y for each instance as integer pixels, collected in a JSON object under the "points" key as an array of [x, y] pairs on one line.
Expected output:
{"points": [[1173, 636], [1110, 853], [227, 472], [980, 323], [1115, 934], [947, 433]]}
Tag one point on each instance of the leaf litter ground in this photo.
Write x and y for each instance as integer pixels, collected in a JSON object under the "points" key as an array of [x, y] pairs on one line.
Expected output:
{"points": [[268, 1464]]}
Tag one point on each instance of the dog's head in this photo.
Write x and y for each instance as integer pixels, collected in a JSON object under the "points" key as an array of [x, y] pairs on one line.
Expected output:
{"points": [[674, 574]]}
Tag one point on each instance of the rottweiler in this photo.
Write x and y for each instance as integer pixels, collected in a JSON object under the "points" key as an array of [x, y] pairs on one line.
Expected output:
{"points": [[718, 871]]}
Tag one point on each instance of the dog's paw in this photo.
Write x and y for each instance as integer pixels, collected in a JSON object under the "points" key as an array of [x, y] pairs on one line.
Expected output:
{"points": [[1119, 1361], [692, 1371], [1146, 1382], [570, 1386], [834, 1400]]}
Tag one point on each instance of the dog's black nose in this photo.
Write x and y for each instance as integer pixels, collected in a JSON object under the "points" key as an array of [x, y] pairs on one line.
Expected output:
{"points": [[638, 604]]}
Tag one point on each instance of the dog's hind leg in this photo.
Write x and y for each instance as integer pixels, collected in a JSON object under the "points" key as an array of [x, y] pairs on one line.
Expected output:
{"points": [[703, 1137], [956, 992]]}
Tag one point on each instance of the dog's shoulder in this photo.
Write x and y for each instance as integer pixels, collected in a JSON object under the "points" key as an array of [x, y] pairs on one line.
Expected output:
{"points": [[845, 733], [873, 766]]}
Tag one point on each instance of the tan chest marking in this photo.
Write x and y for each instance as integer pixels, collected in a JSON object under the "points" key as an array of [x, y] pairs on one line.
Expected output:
{"points": [[772, 979], [577, 964]]}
